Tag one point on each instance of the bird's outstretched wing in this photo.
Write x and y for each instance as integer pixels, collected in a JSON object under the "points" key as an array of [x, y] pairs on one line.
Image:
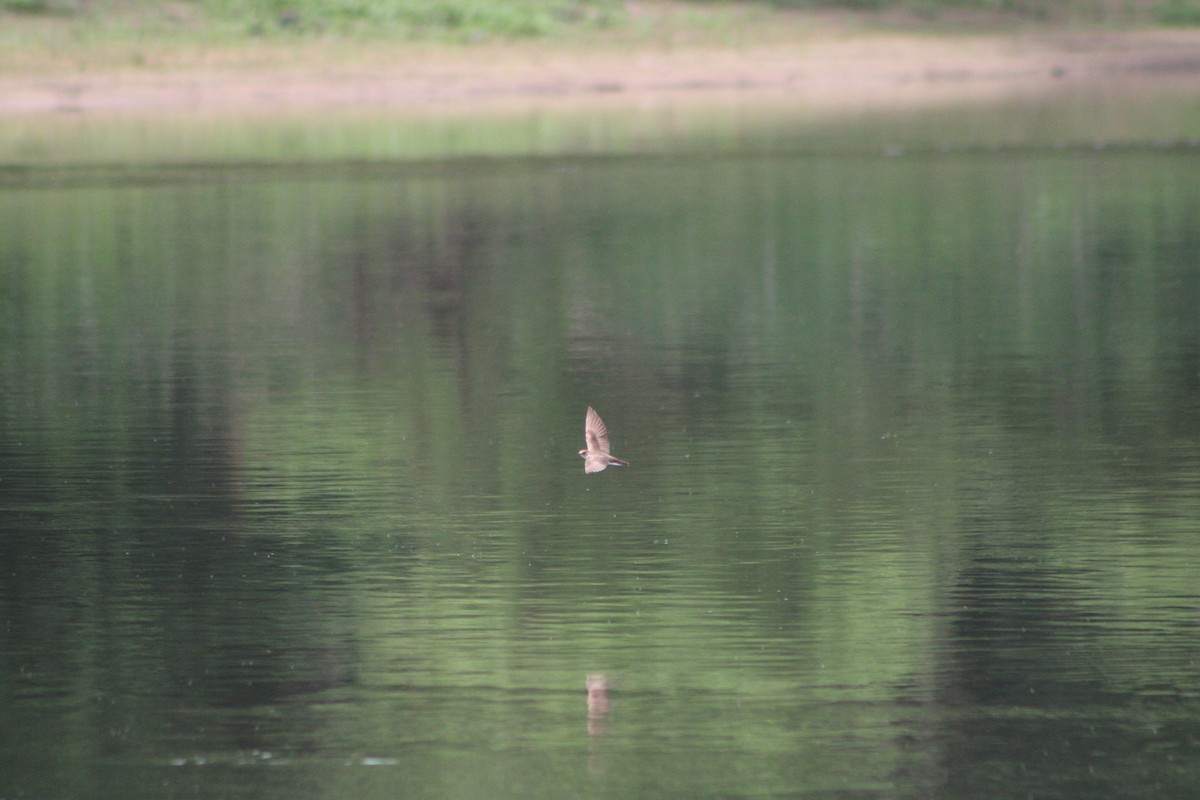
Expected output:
{"points": [[595, 434]]}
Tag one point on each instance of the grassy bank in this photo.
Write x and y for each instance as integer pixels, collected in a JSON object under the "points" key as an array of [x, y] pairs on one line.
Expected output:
{"points": [[238, 55], [82, 23]]}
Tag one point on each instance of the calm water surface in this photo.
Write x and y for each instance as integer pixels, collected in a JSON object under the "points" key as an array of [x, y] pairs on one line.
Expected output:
{"points": [[290, 505]]}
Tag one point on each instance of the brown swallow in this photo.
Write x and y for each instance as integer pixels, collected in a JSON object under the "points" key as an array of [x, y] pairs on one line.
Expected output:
{"points": [[596, 456]]}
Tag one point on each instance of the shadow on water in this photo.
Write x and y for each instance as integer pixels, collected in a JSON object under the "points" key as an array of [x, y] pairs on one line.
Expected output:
{"points": [[291, 500]]}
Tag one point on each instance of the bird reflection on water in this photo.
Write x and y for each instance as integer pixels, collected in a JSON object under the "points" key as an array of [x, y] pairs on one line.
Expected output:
{"points": [[598, 704]]}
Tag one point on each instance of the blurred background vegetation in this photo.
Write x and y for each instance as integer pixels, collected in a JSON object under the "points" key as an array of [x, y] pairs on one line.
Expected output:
{"points": [[476, 19]]}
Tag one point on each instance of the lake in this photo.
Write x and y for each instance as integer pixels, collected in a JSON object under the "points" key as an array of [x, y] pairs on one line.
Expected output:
{"points": [[290, 504]]}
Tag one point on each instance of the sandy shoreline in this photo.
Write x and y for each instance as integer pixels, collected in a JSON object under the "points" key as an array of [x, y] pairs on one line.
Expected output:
{"points": [[864, 70]]}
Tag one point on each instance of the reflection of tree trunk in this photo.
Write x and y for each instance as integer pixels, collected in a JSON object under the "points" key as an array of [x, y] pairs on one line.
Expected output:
{"points": [[857, 297], [1079, 269]]}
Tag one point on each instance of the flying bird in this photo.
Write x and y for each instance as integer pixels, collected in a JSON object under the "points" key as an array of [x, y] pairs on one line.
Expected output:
{"points": [[596, 456]]}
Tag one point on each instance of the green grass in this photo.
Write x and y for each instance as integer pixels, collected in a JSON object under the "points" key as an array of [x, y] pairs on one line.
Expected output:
{"points": [[42, 6], [518, 18], [41, 35], [435, 19], [471, 20], [1179, 13]]}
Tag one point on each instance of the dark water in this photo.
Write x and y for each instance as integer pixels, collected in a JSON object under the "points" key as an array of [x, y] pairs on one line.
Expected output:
{"points": [[290, 505]]}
